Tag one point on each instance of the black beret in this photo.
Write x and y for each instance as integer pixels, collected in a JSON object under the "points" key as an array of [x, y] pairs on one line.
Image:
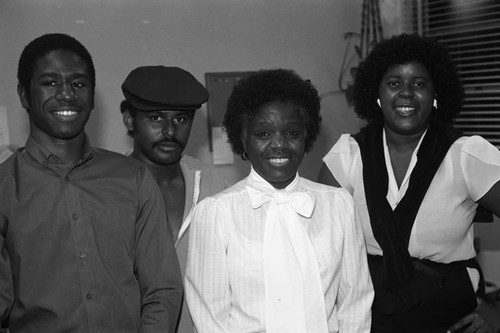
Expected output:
{"points": [[152, 88]]}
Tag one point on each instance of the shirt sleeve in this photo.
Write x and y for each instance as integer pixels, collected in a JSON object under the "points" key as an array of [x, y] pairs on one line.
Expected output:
{"points": [[480, 164], [355, 291], [339, 160], [156, 265], [6, 284], [207, 279]]}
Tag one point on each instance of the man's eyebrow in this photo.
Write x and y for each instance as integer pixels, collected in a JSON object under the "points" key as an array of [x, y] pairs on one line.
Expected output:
{"points": [[72, 76]]}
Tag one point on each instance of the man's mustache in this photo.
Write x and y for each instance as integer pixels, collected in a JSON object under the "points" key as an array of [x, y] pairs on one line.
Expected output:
{"points": [[167, 140]]}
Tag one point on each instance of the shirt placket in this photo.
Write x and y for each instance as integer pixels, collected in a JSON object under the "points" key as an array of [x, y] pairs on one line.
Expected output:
{"points": [[82, 243]]}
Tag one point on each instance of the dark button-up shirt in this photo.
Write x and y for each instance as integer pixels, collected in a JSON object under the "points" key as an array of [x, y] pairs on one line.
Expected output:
{"points": [[85, 249]]}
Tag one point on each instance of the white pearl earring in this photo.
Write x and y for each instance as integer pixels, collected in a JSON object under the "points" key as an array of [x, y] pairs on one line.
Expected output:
{"points": [[378, 102], [435, 104]]}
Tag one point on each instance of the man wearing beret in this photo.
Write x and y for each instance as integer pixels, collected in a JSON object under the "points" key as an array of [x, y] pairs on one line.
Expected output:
{"points": [[83, 242], [158, 111]]}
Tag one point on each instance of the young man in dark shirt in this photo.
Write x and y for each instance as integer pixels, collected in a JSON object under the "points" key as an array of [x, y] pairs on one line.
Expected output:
{"points": [[84, 241]]}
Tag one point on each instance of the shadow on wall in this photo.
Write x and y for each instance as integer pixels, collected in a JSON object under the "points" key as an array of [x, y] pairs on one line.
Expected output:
{"points": [[489, 250], [488, 233], [95, 126], [105, 127]]}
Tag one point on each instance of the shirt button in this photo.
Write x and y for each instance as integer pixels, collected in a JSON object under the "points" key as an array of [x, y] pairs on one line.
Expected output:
{"points": [[75, 216], [83, 255], [89, 296], [66, 178]]}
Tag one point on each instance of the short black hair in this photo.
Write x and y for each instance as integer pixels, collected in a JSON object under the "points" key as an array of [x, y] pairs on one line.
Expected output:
{"points": [[265, 86], [403, 49], [45, 44], [125, 105]]}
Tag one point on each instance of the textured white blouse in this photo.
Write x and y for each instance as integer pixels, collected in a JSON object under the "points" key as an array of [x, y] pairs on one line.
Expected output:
{"points": [[224, 279], [442, 231]]}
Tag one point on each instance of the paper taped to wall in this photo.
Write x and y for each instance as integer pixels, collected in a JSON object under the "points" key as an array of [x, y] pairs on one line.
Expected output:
{"points": [[222, 153], [4, 127]]}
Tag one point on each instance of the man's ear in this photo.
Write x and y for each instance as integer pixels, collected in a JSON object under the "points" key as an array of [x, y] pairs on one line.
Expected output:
{"points": [[23, 97], [128, 120]]}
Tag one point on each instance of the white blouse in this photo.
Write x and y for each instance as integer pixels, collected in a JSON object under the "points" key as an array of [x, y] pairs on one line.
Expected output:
{"points": [[224, 280], [442, 231]]}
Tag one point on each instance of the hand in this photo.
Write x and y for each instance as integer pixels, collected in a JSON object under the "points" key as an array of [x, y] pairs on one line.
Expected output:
{"points": [[484, 319]]}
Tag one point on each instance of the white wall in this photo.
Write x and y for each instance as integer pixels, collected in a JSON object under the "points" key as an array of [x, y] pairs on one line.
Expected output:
{"points": [[199, 35]]}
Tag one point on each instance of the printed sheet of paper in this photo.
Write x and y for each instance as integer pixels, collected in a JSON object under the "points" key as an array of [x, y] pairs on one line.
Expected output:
{"points": [[4, 127], [5, 152], [222, 153]]}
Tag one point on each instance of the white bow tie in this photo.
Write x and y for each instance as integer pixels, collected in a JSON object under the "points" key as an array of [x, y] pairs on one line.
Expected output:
{"points": [[294, 292], [302, 202]]}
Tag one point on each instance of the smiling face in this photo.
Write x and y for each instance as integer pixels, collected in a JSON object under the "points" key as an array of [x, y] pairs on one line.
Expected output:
{"points": [[406, 95], [60, 96], [275, 142], [159, 136]]}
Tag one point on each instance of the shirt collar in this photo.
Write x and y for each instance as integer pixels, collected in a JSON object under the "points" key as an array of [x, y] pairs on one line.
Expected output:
{"points": [[395, 193], [42, 155], [257, 181]]}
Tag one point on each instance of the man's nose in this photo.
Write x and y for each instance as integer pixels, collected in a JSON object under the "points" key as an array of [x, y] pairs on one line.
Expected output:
{"points": [[66, 92], [168, 129]]}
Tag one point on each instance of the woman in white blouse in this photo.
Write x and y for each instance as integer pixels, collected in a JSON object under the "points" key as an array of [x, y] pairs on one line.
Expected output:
{"points": [[276, 252], [416, 183]]}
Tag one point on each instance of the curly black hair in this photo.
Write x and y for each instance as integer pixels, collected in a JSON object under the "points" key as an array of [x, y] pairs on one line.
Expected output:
{"points": [[266, 86], [402, 49], [125, 105], [45, 44]]}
